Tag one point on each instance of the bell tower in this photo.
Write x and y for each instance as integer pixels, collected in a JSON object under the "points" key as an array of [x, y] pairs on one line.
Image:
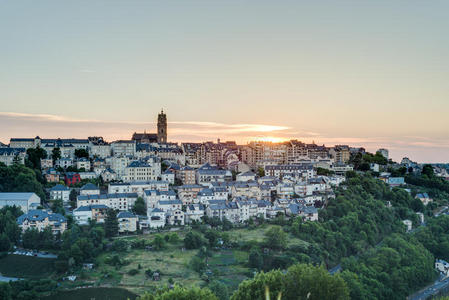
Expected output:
{"points": [[162, 127]]}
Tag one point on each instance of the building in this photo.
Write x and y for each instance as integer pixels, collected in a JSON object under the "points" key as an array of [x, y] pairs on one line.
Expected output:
{"points": [[246, 176], [51, 175], [159, 137], [60, 192], [72, 178], [186, 174], [127, 222], [40, 219], [162, 128], [424, 197], [297, 170], [46, 163], [194, 213], [89, 189], [10, 155], [168, 176], [83, 163], [64, 162], [122, 148], [142, 171], [26, 201], [442, 266], [206, 176], [340, 153], [156, 218], [84, 214], [384, 152], [119, 201]]}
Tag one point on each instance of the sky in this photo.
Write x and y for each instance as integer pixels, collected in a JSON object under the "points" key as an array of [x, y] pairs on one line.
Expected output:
{"points": [[364, 73]]}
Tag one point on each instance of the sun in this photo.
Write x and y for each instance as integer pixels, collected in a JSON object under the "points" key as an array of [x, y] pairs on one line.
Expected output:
{"points": [[272, 139]]}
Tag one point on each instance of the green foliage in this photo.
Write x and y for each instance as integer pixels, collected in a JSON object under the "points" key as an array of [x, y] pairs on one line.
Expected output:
{"points": [[56, 154], [197, 264], [111, 223], [8, 224], [5, 291], [301, 281], [435, 236], [81, 153], [158, 242], [34, 156], [428, 171], [72, 198], [140, 207], [255, 259], [18, 178], [35, 239], [392, 271], [260, 172], [276, 238], [324, 172], [5, 243], [120, 245], [181, 293], [194, 240], [219, 289], [133, 272]]}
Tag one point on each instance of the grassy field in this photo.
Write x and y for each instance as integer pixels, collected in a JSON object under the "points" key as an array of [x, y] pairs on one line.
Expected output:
{"points": [[93, 293], [228, 266], [257, 234], [22, 266]]}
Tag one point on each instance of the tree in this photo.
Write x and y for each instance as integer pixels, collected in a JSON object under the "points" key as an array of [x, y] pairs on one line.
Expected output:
{"points": [[306, 281], [81, 153], [260, 172], [219, 289], [428, 170], [34, 156], [139, 207], [301, 281], [181, 293], [111, 223], [72, 198], [194, 240], [5, 291], [276, 238], [158, 242], [255, 259], [197, 264], [56, 154], [5, 243]]}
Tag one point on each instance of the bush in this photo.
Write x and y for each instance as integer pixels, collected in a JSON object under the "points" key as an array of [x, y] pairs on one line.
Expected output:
{"points": [[133, 272]]}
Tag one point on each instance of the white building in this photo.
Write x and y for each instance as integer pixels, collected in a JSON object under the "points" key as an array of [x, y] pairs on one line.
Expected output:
{"points": [[89, 189], [9, 155], [61, 192], [246, 176], [141, 171], [123, 148], [83, 163], [25, 201], [168, 176], [119, 201]]}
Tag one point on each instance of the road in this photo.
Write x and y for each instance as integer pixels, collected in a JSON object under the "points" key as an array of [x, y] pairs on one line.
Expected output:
{"points": [[431, 290]]}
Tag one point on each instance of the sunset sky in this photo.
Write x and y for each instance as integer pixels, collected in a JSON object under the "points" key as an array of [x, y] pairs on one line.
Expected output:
{"points": [[364, 73]]}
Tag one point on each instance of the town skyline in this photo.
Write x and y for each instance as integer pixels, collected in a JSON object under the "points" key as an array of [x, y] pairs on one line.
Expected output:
{"points": [[205, 132], [327, 72]]}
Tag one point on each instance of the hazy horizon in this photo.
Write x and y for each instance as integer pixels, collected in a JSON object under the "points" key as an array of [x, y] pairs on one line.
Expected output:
{"points": [[371, 74]]}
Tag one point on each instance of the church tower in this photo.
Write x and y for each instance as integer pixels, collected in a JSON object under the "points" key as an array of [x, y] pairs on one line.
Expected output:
{"points": [[162, 127]]}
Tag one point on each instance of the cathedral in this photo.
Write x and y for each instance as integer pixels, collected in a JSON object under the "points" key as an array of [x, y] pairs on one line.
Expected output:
{"points": [[159, 137]]}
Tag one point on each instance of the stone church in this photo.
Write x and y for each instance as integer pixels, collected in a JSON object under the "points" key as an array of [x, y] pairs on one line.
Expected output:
{"points": [[159, 137]]}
